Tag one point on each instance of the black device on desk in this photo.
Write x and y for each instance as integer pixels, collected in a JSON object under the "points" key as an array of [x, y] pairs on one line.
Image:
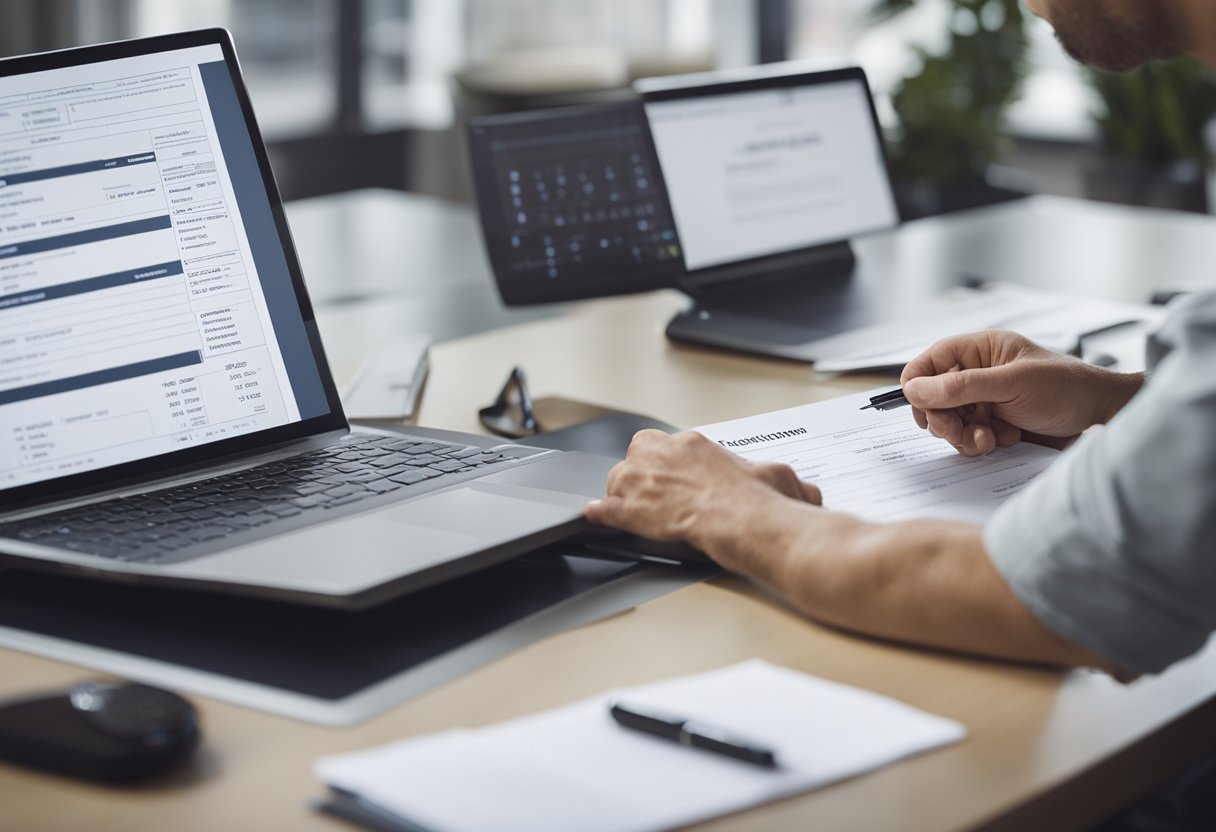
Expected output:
{"points": [[109, 733], [742, 190]]}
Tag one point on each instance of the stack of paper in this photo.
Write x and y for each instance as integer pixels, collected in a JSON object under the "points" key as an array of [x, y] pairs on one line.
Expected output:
{"points": [[387, 383], [574, 768], [1055, 320]]}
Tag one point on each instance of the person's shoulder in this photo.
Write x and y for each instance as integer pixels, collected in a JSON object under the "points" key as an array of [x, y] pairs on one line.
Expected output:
{"points": [[1195, 304], [1190, 325], [1192, 311]]}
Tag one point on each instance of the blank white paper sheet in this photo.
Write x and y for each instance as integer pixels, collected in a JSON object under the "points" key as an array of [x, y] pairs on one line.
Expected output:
{"points": [[574, 768]]}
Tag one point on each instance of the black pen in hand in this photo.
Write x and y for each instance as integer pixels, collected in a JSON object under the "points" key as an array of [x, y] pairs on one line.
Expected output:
{"points": [[887, 401]]}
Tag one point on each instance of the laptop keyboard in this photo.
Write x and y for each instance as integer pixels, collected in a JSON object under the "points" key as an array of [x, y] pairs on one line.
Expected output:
{"points": [[154, 527]]}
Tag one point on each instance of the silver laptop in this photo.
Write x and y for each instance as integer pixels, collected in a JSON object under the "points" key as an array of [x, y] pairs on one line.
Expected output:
{"points": [[166, 410]]}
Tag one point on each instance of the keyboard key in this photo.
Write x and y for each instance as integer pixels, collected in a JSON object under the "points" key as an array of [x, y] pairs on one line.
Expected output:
{"points": [[401, 444], [422, 449], [387, 461], [449, 465], [239, 521], [409, 477]]}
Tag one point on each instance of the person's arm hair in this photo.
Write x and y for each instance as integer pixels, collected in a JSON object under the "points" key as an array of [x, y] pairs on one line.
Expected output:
{"points": [[925, 582]]}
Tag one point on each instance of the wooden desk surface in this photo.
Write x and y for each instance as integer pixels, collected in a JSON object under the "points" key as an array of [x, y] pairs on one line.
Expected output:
{"points": [[1044, 749]]}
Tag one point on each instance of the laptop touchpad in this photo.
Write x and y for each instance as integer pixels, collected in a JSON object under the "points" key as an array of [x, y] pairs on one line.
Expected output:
{"points": [[478, 509]]}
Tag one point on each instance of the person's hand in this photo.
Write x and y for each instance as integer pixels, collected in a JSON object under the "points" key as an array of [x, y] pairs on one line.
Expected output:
{"points": [[992, 389], [685, 487]]}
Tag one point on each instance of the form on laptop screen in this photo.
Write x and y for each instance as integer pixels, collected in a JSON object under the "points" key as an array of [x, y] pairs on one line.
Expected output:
{"points": [[146, 305], [757, 172]]}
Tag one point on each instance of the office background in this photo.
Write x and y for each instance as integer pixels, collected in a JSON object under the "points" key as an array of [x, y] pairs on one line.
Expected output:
{"points": [[978, 102], [979, 105]]}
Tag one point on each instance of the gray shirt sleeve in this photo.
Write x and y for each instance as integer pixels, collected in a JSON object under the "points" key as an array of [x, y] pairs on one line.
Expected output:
{"points": [[1114, 547]]}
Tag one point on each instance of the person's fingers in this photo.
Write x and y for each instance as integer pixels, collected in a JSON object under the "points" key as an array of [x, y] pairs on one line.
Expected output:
{"points": [[952, 390], [978, 440], [615, 475], [606, 512], [776, 474], [1006, 434], [938, 420], [789, 485], [945, 424], [784, 479], [594, 511], [919, 416], [954, 352], [644, 439]]}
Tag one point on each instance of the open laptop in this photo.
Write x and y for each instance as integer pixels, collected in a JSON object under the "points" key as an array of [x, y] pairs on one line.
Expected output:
{"points": [[166, 410], [742, 188]]}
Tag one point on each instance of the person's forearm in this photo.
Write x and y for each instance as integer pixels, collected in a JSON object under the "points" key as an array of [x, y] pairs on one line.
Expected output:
{"points": [[926, 582]]}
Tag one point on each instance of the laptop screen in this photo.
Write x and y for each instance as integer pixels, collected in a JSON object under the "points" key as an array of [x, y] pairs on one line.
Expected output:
{"points": [[753, 172], [147, 304]]}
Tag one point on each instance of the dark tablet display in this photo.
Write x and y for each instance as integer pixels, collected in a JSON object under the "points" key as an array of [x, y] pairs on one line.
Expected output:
{"points": [[573, 204]]}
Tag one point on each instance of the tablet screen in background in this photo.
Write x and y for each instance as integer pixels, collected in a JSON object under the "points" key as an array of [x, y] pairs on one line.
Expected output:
{"points": [[755, 172], [572, 203]]}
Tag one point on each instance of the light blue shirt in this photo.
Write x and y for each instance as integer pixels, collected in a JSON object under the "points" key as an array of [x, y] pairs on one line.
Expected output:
{"points": [[1114, 546]]}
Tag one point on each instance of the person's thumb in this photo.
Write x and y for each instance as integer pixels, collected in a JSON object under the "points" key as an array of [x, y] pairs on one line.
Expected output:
{"points": [[958, 389]]}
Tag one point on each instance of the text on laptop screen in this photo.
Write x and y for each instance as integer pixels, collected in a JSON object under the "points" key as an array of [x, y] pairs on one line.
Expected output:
{"points": [[146, 305], [760, 172]]}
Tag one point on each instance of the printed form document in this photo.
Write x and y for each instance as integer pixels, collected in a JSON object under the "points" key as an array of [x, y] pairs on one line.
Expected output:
{"points": [[879, 465]]}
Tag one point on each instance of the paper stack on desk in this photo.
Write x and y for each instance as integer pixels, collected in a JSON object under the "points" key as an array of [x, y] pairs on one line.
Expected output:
{"points": [[1053, 319], [387, 383], [574, 768]]}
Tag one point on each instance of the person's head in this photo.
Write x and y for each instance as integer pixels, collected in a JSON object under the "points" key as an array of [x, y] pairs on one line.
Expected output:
{"points": [[1118, 35]]}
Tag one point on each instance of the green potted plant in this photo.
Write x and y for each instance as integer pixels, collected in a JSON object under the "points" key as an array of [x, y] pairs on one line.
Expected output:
{"points": [[951, 111], [1151, 135]]}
